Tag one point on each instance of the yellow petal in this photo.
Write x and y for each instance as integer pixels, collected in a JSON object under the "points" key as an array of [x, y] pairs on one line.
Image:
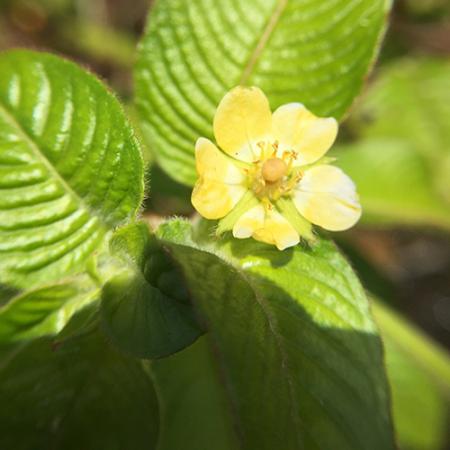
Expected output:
{"points": [[242, 119], [215, 199], [214, 165], [298, 129], [327, 197], [266, 226]]}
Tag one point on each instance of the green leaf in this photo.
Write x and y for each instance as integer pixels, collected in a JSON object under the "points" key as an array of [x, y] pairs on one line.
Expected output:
{"points": [[44, 310], [70, 167], [420, 410], [418, 369], [296, 346], [394, 184], [410, 100], [192, 53], [427, 354], [194, 409], [419, 375], [145, 310], [82, 322], [82, 395]]}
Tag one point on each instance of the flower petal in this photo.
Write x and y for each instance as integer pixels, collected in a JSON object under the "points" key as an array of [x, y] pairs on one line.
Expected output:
{"points": [[215, 199], [242, 119], [213, 164], [326, 196], [300, 130], [266, 226]]}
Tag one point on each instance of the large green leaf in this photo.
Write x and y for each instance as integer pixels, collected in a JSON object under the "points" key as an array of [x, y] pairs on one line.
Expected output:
{"points": [[145, 310], [70, 167], [310, 51], [45, 310], [82, 395], [296, 346], [394, 183], [419, 375]]}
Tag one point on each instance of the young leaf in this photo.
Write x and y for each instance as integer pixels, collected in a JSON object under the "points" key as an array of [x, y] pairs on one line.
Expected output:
{"points": [[394, 184], [295, 341], [44, 310], [192, 53], [70, 167], [82, 395], [145, 310]]}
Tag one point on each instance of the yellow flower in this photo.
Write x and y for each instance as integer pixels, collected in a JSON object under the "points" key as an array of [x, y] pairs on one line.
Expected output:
{"points": [[271, 181]]}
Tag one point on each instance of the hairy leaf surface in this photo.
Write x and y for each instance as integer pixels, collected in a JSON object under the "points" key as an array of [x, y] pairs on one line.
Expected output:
{"points": [[70, 167], [296, 346], [44, 310], [310, 51]]}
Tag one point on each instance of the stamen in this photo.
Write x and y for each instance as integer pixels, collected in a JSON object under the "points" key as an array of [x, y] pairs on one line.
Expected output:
{"points": [[275, 149]]}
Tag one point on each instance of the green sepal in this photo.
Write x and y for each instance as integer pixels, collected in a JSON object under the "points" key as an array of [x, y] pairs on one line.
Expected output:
{"points": [[302, 226], [247, 202]]}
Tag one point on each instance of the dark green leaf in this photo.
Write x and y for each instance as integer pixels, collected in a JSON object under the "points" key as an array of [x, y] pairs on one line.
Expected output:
{"points": [[83, 322], [297, 348], [145, 310], [194, 408], [82, 395], [193, 52], [70, 167]]}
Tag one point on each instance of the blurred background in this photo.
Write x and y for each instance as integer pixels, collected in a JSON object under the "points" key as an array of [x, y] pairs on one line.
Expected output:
{"points": [[401, 249]]}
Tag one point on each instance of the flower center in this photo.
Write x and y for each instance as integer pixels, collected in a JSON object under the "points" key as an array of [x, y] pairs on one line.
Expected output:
{"points": [[273, 170]]}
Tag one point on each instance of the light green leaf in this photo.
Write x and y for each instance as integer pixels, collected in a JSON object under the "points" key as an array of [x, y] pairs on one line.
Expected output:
{"points": [[297, 348], [394, 183], [427, 354], [420, 410], [145, 310], [419, 375], [410, 100], [193, 52], [45, 310], [82, 395], [193, 403], [70, 167]]}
